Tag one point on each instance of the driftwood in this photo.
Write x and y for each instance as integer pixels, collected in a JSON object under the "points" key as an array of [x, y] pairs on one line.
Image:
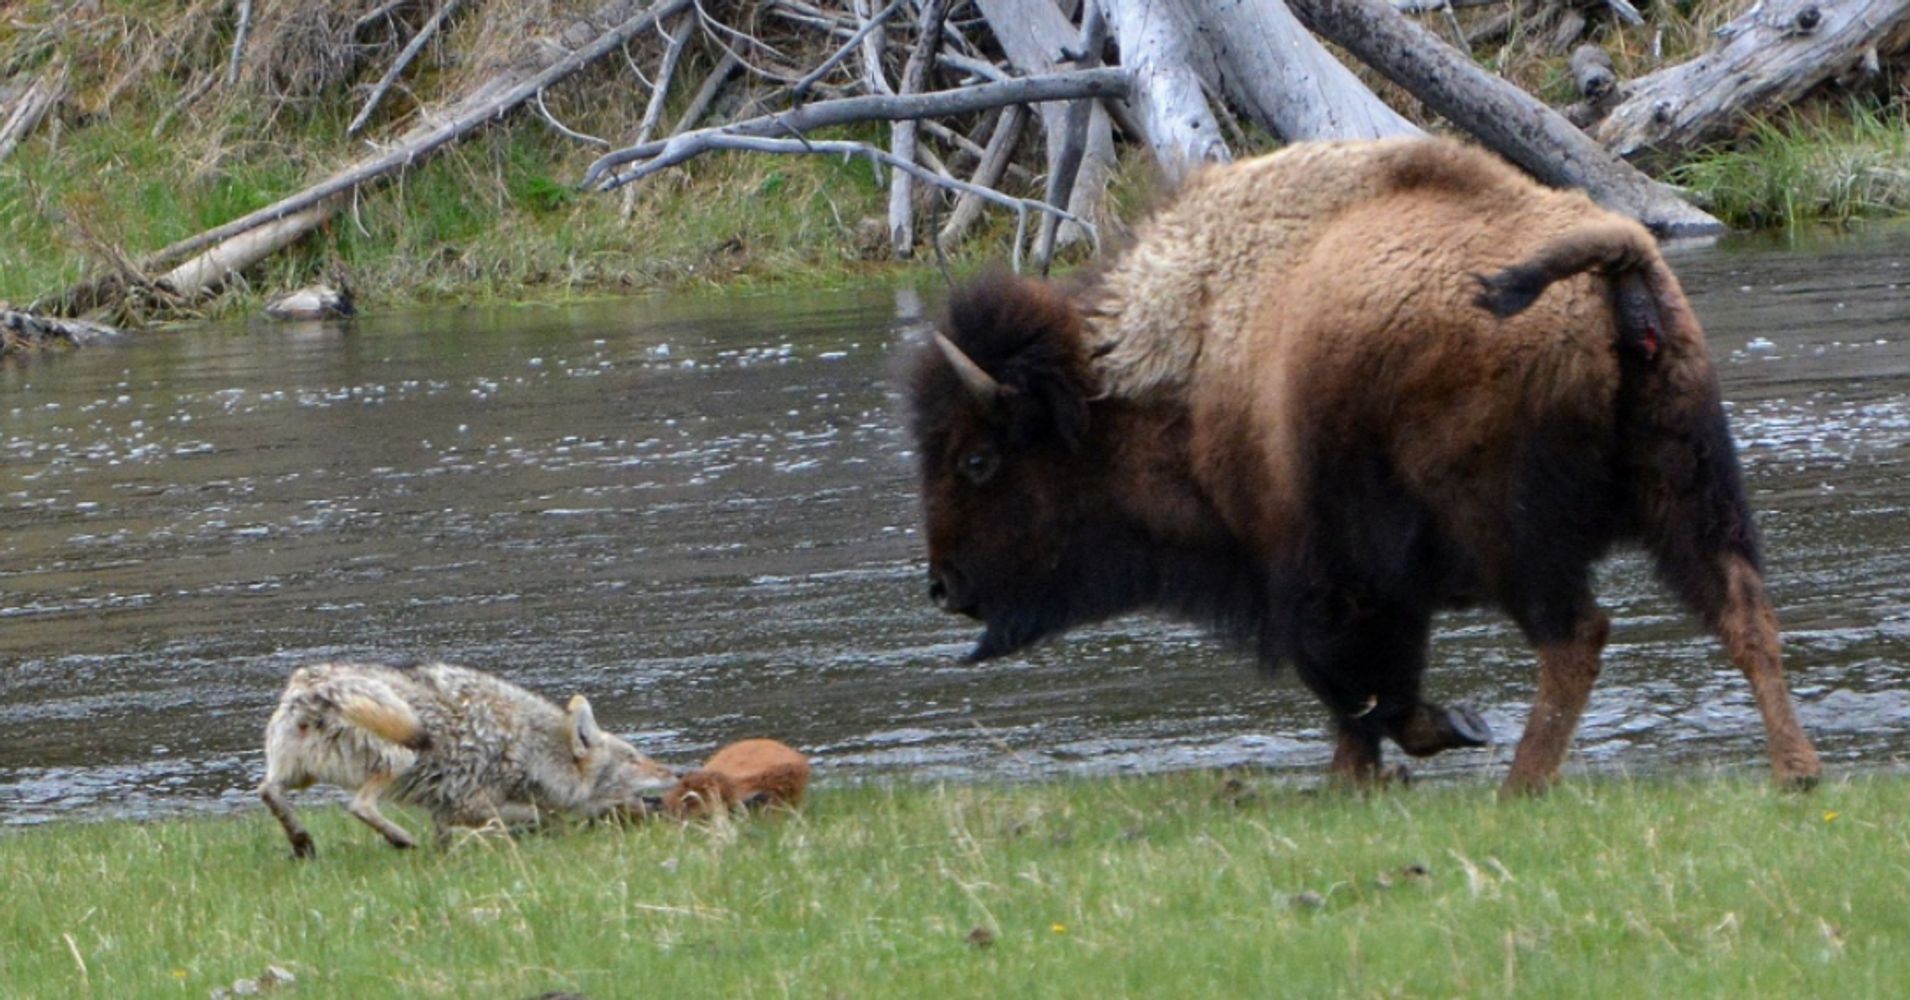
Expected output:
{"points": [[678, 43], [1281, 77], [1168, 104], [800, 89], [1592, 73], [719, 77], [902, 137], [1065, 167], [988, 173], [32, 106], [485, 103], [397, 67], [1515, 124], [849, 110], [1034, 35], [824, 147], [239, 35], [21, 330], [1767, 57]]}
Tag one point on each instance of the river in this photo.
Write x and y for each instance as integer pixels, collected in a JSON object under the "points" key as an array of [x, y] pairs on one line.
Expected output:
{"points": [[702, 514]]}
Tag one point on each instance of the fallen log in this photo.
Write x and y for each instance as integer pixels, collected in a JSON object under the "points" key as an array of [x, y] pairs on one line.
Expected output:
{"points": [[1506, 119], [22, 330], [1261, 57], [1168, 103], [579, 45], [1768, 57]]}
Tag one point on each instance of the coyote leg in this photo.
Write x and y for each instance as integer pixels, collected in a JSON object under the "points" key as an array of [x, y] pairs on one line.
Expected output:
{"points": [[274, 796], [364, 805]]}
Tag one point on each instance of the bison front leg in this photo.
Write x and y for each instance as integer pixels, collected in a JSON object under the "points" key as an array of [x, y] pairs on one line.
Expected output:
{"points": [[1567, 669]]}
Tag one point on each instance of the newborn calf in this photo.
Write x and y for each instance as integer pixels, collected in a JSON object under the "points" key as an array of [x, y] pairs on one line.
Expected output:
{"points": [[750, 773]]}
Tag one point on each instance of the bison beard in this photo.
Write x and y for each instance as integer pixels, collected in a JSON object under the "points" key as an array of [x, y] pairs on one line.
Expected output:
{"points": [[1324, 395], [1110, 569]]}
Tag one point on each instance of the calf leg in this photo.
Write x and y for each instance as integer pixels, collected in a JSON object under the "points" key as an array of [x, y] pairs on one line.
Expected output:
{"points": [[274, 795], [1748, 629], [1567, 669], [364, 805]]}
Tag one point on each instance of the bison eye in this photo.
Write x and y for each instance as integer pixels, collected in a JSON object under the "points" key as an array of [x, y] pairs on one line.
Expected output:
{"points": [[979, 466]]}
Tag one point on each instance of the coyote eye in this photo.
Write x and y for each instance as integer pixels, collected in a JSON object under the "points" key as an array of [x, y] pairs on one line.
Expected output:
{"points": [[979, 466]]}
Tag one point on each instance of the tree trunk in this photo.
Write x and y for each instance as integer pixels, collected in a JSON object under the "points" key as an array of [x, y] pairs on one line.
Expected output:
{"points": [[1515, 124], [1280, 76], [1167, 101], [1034, 34], [1768, 57]]}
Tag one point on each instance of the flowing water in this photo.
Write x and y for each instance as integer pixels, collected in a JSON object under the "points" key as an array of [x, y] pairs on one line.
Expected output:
{"points": [[702, 514]]}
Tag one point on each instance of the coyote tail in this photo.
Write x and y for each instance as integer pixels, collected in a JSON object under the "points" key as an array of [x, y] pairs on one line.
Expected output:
{"points": [[388, 719]]}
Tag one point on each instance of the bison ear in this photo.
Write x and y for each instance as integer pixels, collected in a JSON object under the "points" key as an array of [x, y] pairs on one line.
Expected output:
{"points": [[581, 726]]}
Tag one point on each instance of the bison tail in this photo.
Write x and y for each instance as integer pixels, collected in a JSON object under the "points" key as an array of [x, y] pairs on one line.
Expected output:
{"points": [[387, 718], [1615, 246]]}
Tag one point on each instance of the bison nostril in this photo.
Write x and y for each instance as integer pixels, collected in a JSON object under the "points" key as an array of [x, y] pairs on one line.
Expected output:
{"points": [[947, 588]]}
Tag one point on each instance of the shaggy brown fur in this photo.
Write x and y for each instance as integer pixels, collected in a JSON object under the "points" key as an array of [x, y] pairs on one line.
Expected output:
{"points": [[1327, 393], [746, 773]]}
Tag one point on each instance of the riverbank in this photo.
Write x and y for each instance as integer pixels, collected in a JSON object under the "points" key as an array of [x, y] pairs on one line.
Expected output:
{"points": [[150, 147], [1192, 884]]}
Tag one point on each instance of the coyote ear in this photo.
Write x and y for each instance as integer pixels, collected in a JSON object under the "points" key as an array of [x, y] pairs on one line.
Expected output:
{"points": [[582, 727]]}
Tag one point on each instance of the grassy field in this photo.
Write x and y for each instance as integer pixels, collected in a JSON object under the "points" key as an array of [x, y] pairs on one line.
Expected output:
{"points": [[1187, 885]]}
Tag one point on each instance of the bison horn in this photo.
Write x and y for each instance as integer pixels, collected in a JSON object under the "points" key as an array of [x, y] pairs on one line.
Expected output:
{"points": [[981, 384]]}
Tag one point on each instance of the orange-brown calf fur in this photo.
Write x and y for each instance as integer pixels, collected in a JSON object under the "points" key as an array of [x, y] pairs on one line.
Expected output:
{"points": [[1326, 394], [749, 772]]}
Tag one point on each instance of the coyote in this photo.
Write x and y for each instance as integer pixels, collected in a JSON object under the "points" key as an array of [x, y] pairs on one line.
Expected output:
{"points": [[465, 746]]}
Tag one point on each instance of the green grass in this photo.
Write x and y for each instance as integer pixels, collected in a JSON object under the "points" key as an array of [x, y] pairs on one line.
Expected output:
{"points": [[1170, 886], [1798, 169]]}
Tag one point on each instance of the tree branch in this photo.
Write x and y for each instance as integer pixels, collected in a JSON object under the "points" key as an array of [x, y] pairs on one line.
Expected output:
{"points": [[410, 52], [1108, 82]]}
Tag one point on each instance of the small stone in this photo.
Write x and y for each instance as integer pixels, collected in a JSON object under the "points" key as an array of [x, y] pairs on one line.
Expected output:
{"points": [[981, 938], [1308, 900], [245, 988], [276, 976]]}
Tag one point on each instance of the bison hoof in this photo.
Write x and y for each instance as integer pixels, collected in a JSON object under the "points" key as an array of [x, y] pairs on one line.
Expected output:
{"points": [[302, 847], [1797, 783], [1469, 728], [1396, 776]]}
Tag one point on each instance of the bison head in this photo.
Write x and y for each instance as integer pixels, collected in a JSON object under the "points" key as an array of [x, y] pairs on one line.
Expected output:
{"points": [[1018, 467]]}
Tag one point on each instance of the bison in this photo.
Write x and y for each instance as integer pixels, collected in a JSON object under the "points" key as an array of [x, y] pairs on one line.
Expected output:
{"points": [[1325, 394]]}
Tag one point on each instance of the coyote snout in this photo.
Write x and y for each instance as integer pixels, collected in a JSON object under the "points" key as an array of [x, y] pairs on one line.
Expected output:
{"points": [[463, 745]]}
